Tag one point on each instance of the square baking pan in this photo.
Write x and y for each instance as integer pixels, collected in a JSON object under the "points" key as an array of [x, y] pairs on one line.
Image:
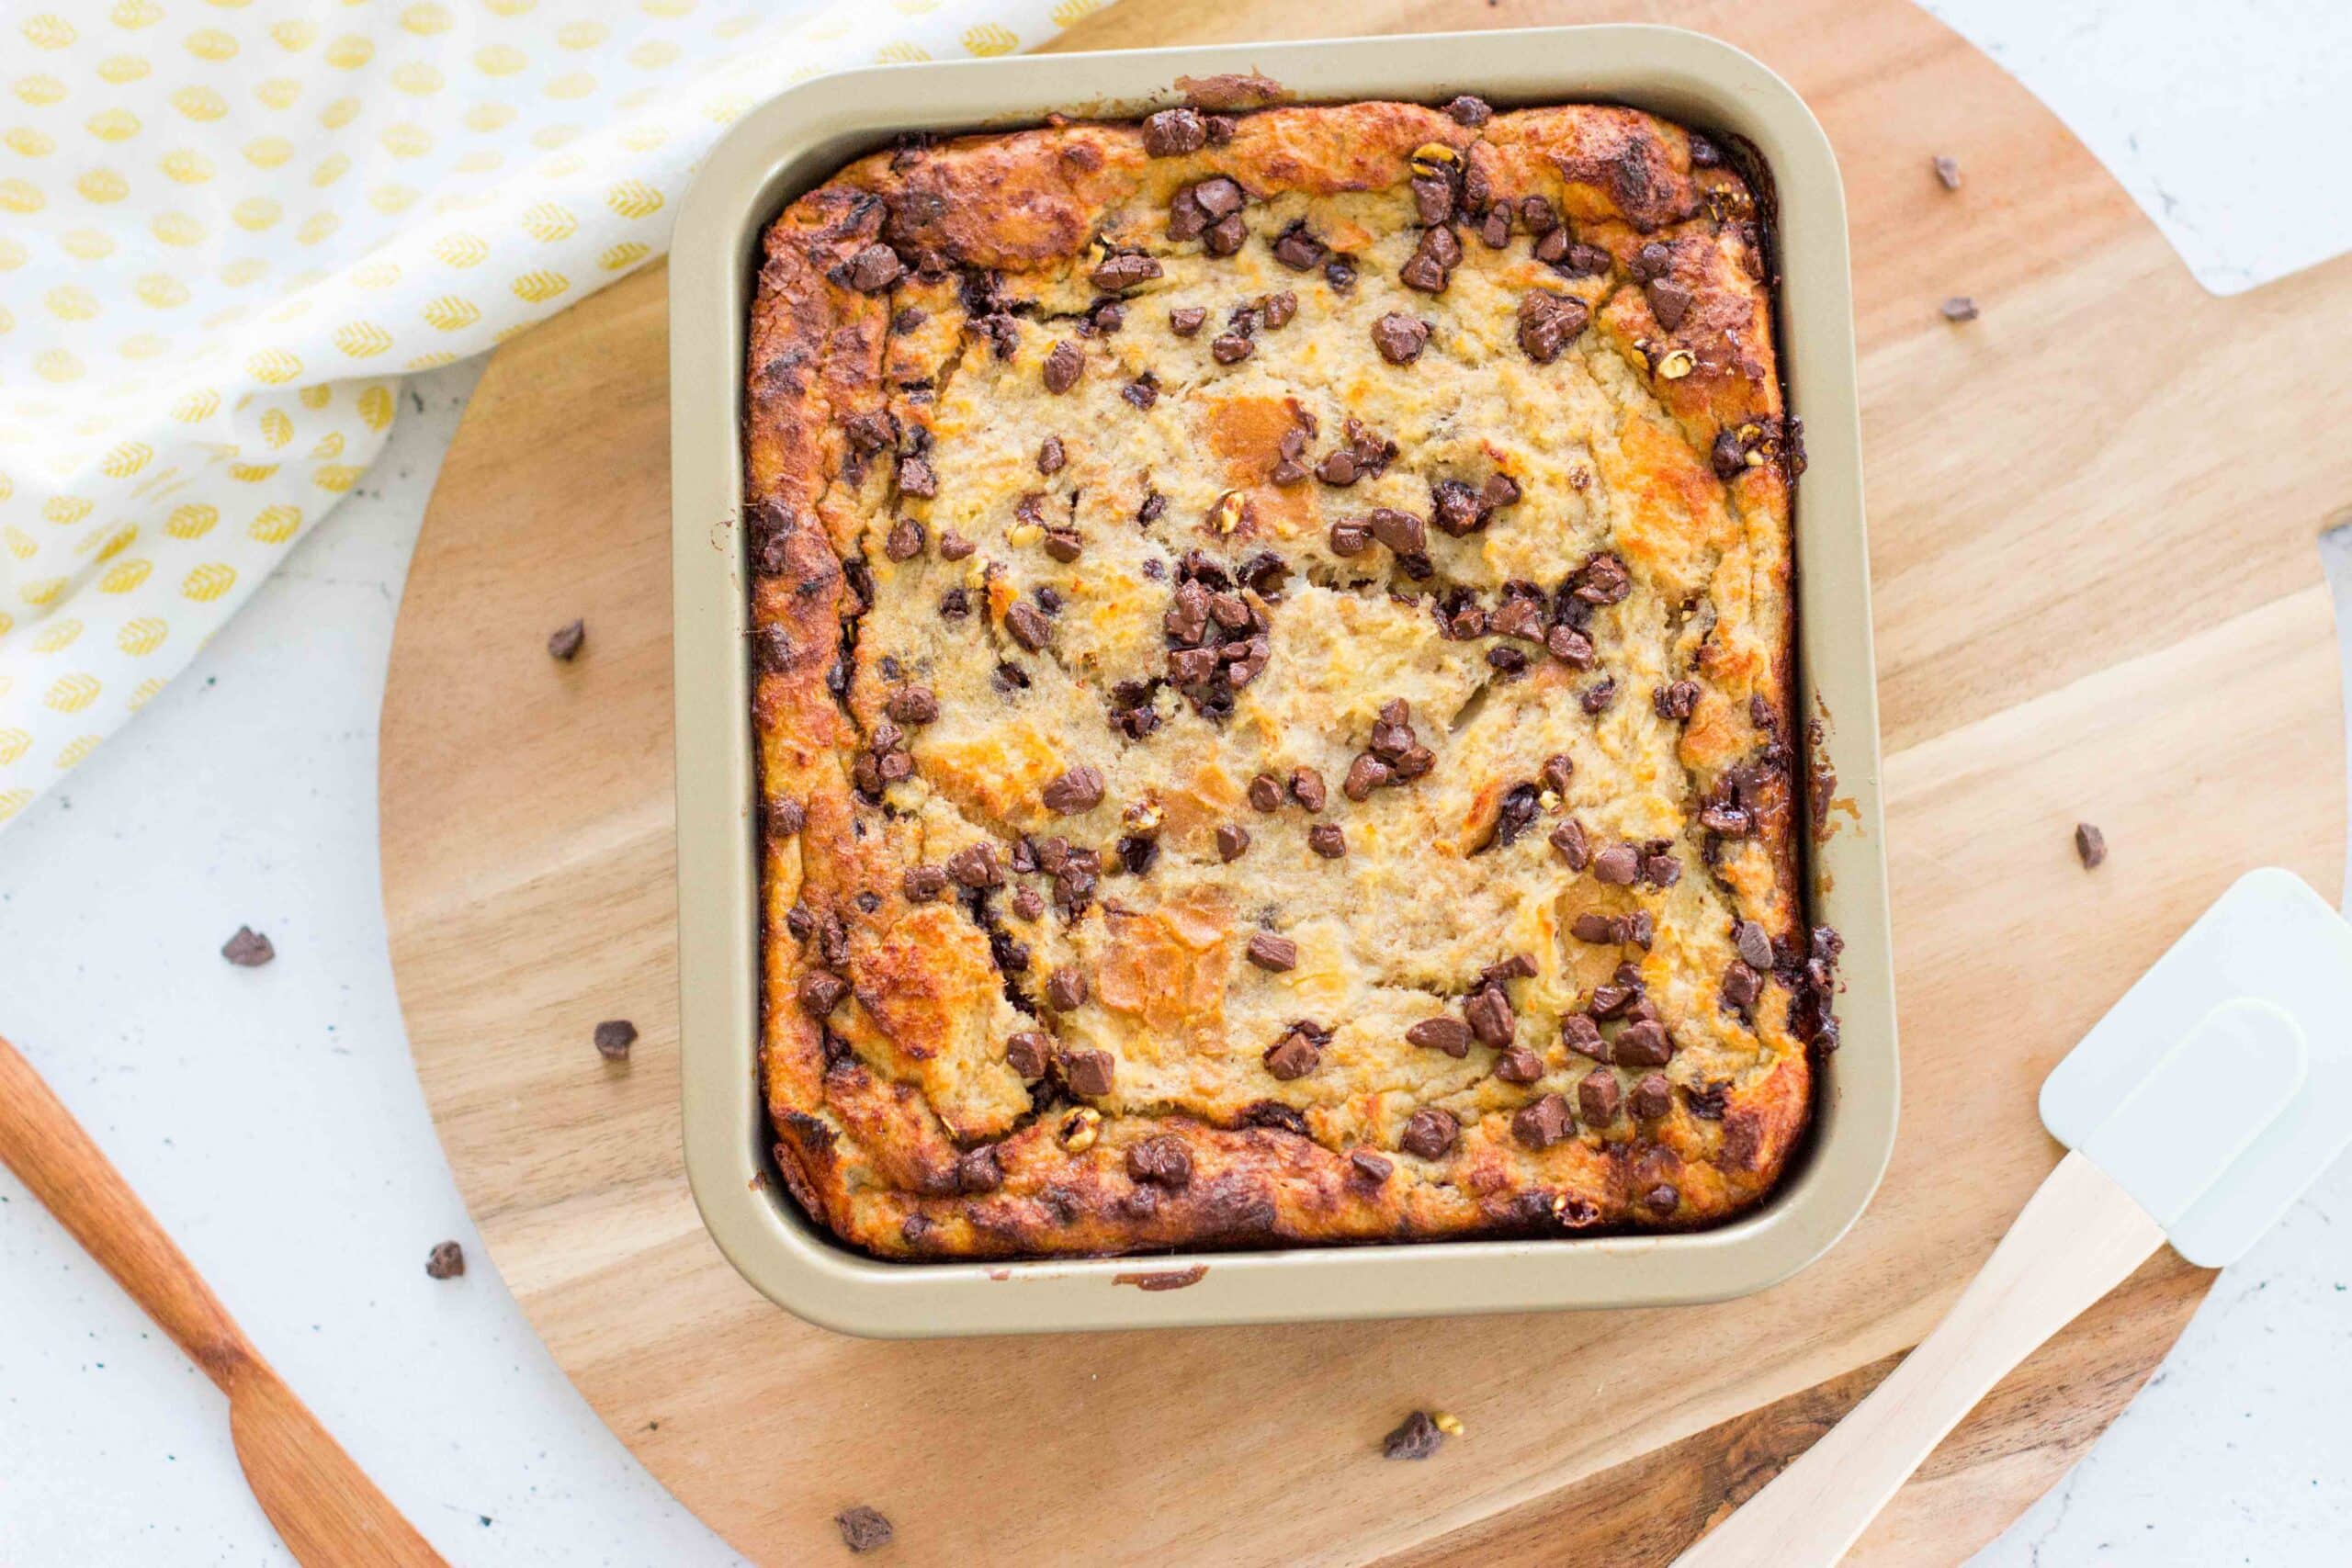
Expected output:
{"points": [[803, 137]]}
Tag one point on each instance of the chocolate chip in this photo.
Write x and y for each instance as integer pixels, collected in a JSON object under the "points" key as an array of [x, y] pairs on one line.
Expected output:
{"points": [[875, 268], [1065, 990], [1163, 1161], [954, 547], [1603, 580], [1293, 1056], [1661, 871], [1618, 866], [1728, 458], [1299, 250], [2090, 844], [1669, 302], [1678, 700], [863, 1530], [1078, 789], [1598, 1097], [1947, 169], [1418, 1437], [1117, 273], [1064, 364], [912, 704], [1518, 1064], [1547, 323], [1467, 110], [1662, 1198], [1219, 196], [1143, 391], [563, 643], [1644, 1044], [1279, 308], [1496, 230], [1025, 1054], [1306, 788], [1450, 1035], [1266, 792], [1366, 774], [786, 816], [1137, 853], [916, 478], [1580, 1034], [1598, 929], [1652, 1098], [613, 1037], [822, 992], [1960, 308], [1226, 236], [977, 1170], [1544, 1124], [1273, 952], [1369, 1168], [1570, 646], [1029, 628], [1754, 948], [1429, 1133], [1569, 838], [1088, 1072], [1730, 821], [1742, 986], [1399, 337], [1051, 456], [1231, 348], [975, 866], [1400, 531], [1351, 537], [1171, 133], [922, 884], [248, 948], [446, 1261], [1423, 273], [1432, 197]]}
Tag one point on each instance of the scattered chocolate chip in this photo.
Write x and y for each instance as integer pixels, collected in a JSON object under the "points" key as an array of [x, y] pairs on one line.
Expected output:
{"points": [[1467, 110], [613, 1037], [1669, 302], [1618, 866], [922, 884], [1269, 951], [1947, 169], [975, 866], [1369, 1168], [1518, 1064], [1417, 1438], [1327, 840], [1662, 1198], [1423, 273], [1025, 1054], [1029, 904], [1960, 308], [1078, 789], [1266, 792], [1400, 531], [1065, 990], [1221, 128], [1704, 154], [1598, 1097], [1137, 853], [1429, 1133], [1351, 537], [1064, 364], [1742, 986], [863, 1530], [1163, 1161], [875, 268], [916, 478], [1598, 929], [564, 642], [1580, 1034], [1226, 236], [1678, 700], [1186, 319], [1544, 1124], [1232, 348], [1754, 948], [1306, 788], [1279, 308], [1118, 272], [786, 816], [1652, 1098], [954, 547], [1171, 133], [1729, 822], [1490, 1016], [1569, 838], [1295, 1055], [1400, 339], [977, 1170], [820, 992], [1570, 646], [1219, 196], [446, 1261], [1432, 198], [1088, 1072], [912, 704], [2090, 844], [1496, 230], [1299, 250], [1051, 456], [1450, 1035], [1232, 840], [1644, 1044], [1143, 391], [1029, 628], [248, 948], [1661, 869], [1547, 323]]}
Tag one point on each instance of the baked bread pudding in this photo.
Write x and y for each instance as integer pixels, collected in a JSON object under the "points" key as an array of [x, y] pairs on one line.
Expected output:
{"points": [[1273, 685]]}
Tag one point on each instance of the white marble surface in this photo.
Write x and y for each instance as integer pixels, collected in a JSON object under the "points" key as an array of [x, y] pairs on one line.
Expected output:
{"points": [[247, 795]]}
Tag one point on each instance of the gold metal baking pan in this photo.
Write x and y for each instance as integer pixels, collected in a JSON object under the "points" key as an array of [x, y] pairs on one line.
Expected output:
{"points": [[803, 137]]}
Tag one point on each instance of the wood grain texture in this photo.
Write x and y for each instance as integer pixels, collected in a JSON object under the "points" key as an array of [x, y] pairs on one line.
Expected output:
{"points": [[2092, 523]]}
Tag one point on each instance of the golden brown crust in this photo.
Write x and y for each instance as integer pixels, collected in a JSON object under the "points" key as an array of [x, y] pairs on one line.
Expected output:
{"points": [[932, 1093]]}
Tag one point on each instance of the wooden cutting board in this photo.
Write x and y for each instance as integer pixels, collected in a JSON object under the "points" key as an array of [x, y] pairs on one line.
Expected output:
{"points": [[2092, 515]]}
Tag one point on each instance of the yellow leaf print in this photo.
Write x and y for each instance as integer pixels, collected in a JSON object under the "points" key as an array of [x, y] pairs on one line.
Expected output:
{"points": [[279, 92], [991, 39], [1067, 13], [276, 427], [406, 141], [460, 250], [537, 287], [57, 366], [294, 36], [449, 313], [57, 635], [132, 14], [349, 52], [267, 152], [116, 540], [653, 55], [329, 446], [362, 339], [102, 186], [211, 43], [47, 31], [914, 7], [634, 198], [389, 200], [500, 60], [197, 406], [12, 801], [20, 196], [71, 694], [376, 274], [317, 227], [275, 524], [375, 406], [666, 8], [127, 459], [31, 143], [274, 365], [142, 635], [12, 255], [69, 303], [418, 78], [14, 744], [491, 115], [72, 751], [252, 473], [124, 576], [255, 213], [243, 270], [336, 476], [120, 70], [431, 361], [191, 522], [40, 91], [87, 245], [40, 591], [903, 53], [547, 222], [316, 397], [20, 544], [177, 228], [186, 168], [427, 18], [199, 103], [161, 289], [479, 162], [209, 581], [582, 35], [626, 255], [332, 167], [66, 510]]}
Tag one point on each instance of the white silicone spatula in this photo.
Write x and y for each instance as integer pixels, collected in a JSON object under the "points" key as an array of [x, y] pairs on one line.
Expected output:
{"points": [[2198, 1110]]}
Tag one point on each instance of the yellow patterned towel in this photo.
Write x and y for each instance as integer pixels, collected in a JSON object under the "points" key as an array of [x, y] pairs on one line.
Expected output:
{"points": [[228, 226]]}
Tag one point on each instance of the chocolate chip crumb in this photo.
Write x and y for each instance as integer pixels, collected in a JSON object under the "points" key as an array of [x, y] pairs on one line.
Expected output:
{"points": [[1544, 1124], [1078, 789], [248, 948], [863, 1528], [1450, 1035], [1295, 1055], [1400, 338], [1306, 787], [1185, 320], [1327, 840], [1429, 1133], [1164, 1161], [1266, 792], [1369, 1168], [1960, 308], [1232, 840], [1089, 1072], [564, 642], [1417, 1438], [1467, 110], [1947, 169], [613, 1037], [2090, 844], [1271, 953], [1026, 1054], [1064, 364], [446, 1261], [1171, 133], [1518, 1064]]}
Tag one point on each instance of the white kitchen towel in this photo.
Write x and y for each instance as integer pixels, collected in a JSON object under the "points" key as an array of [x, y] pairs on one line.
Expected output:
{"points": [[228, 226]]}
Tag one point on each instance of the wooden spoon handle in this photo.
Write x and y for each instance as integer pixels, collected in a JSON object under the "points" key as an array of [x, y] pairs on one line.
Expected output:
{"points": [[2077, 1238], [48, 1151]]}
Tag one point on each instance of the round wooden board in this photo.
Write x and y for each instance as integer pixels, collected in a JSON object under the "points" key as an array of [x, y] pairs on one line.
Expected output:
{"points": [[2097, 597]]}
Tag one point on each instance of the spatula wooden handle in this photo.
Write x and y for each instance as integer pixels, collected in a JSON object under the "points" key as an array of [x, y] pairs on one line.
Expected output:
{"points": [[42, 1142], [2078, 1237]]}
